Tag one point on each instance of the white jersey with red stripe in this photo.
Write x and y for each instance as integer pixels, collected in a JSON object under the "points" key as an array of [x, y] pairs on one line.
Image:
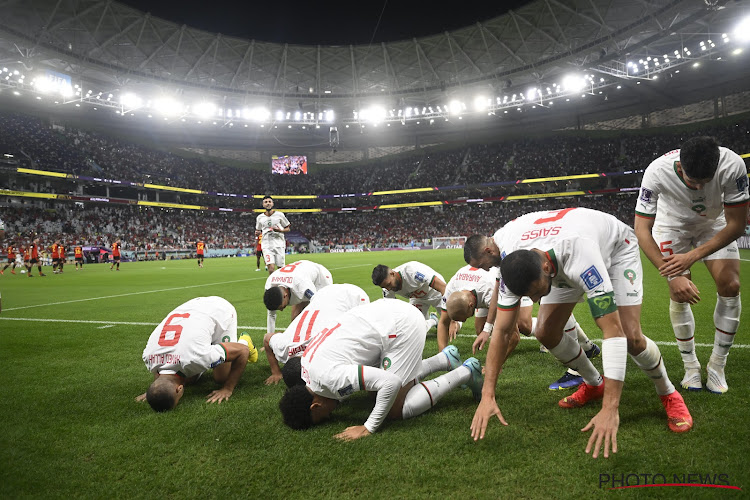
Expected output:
{"points": [[327, 305], [665, 196], [188, 341], [303, 278], [416, 281], [579, 242], [271, 239], [472, 278]]}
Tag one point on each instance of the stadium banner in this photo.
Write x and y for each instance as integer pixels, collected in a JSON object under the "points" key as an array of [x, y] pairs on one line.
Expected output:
{"points": [[27, 194]]}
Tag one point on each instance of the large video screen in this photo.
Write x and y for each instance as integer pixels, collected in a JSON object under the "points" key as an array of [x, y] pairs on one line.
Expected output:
{"points": [[289, 165]]}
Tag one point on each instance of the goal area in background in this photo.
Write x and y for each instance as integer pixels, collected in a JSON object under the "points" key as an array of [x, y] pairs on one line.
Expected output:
{"points": [[448, 242]]}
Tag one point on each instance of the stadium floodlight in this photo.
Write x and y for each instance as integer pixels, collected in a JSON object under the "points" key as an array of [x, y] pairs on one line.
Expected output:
{"points": [[530, 93], [407, 112], [297, 116], [204, 109], [373, 114], [574, 83], [742, 31], [260, 114], [455, 107], [330, 116], [166, 106], [130, 101]]}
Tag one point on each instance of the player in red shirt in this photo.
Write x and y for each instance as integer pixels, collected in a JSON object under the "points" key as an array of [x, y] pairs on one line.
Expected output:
{"points": [[55, 256], [60, 257], [258, 252], [116, 254], [78, 251], [11, 250], [35, 258], [199, 249]]}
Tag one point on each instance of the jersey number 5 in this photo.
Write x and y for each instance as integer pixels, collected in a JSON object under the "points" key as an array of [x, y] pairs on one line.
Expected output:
{"points": [[176, 329]]}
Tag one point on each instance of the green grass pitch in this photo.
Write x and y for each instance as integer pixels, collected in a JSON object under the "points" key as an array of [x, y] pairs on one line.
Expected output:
{"points": [[71, 344]]}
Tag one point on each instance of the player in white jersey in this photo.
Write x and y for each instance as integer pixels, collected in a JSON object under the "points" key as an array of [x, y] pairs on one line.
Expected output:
{"points": [[415, 281], [378, 348], [326, 305], [471, 290], [555, 258], [293, 285], [196, 336], [693, 206], [2, 229], [271, 226]]}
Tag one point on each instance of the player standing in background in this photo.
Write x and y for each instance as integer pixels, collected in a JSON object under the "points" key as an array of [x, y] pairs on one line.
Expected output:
{"points": [[376, 348], [60, 258], [199, 249], [419, 283], [272, 225], [55, 256], [2, 237], [35, 258], [258, 251], [693, 206], [78, 254], [196, 336], [555, 258], [326, 305], [27, 259], [293, 285], [11, 251], [116, 254]]}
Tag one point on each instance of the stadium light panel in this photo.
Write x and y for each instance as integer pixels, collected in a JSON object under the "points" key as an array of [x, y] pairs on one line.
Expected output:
{"points": [[330, 116], [279, 116], [166, 106], [204, 109], [130, 101], [481, 103], [742, 31], [574, 83]]}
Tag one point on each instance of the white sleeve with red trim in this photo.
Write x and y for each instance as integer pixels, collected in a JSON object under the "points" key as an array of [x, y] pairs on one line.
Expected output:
{"points": [[387, 386]]}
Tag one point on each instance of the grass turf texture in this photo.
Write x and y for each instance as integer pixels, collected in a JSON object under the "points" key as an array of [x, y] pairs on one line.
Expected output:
{"points": [[71, 427]]}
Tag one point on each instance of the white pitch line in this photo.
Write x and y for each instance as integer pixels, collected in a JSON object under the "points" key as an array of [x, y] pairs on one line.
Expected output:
{"points": [[139, 323], [156, 291]]}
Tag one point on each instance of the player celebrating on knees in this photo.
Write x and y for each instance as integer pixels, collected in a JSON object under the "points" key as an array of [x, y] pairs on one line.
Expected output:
{"points": [[272, 225], [293, 285], [116, 254], [326, 305], [196, 336], [199, 249], [378, 348], [78, 254], [693, 206], [554, 258], [415, 281]]}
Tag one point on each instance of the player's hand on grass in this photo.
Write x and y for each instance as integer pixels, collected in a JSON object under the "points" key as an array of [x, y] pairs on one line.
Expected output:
{"points": [[219, 395], [605, 425], [479, 342], [274, 379], [676, 264], [485, 411], [683, 290], [141, 398], [453, 330], [352, 433]]}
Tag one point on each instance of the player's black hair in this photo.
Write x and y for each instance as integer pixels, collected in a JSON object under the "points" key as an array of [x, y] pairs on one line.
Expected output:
{"points": [[699, 157], [379, 273], [295, 407], [473, 247], [292, 372], [272, 298], [519, 269], [161, 396], [267, 197]]}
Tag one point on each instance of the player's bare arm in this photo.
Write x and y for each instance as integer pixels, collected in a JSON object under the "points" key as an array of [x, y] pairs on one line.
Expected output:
{"points": [[497, 352], [237, 355], [736, 217], [443, 330], [438, 284], [484, 336], [272, 361]]}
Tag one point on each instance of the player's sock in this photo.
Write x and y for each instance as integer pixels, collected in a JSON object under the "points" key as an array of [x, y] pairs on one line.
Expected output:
{"points": [[651, 362], [727, 322], [270, 321], [431, 322], [683, 324], [571, 355], [533, 326], [425, 395], [438, 363], [583, 339]]}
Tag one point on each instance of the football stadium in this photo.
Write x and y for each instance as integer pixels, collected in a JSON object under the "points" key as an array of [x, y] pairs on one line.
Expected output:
{"points": [[308, 251]]}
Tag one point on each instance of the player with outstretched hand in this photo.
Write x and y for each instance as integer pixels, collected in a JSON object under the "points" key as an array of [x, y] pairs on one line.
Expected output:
{"points": [[555, 258], [199, 335], [692, 207]]}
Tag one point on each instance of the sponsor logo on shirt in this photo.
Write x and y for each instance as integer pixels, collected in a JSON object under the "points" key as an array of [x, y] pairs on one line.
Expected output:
{"points": [[591, 278], [346, 391], [419, 277], [646, 195]]}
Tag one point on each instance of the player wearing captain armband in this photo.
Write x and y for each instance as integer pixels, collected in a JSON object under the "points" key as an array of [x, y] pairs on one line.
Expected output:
{"points": [[293, 285], [326, 305], [419, 283], [474, 289], [378, 348], [199, 335], [692, 207], [555, 258]]}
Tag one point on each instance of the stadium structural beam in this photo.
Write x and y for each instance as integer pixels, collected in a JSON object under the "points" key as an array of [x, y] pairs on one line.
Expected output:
{"points": [[114, 37], [458, 46], [210, 46], [559, 28], [158, 49], [81, 14]]}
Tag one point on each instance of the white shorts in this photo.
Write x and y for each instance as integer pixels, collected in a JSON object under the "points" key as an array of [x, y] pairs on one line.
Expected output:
{"points": [[626, 275], [424, 305], [275, 256], [672, 240]]}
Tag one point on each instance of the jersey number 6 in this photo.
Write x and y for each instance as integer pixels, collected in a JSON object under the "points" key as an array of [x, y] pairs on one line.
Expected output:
{"points": [[177, 329]]}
